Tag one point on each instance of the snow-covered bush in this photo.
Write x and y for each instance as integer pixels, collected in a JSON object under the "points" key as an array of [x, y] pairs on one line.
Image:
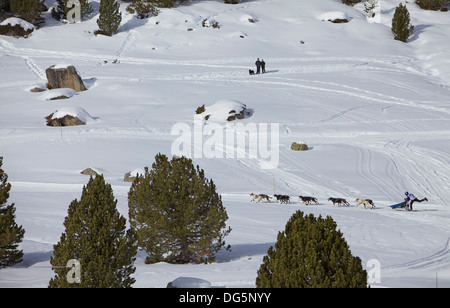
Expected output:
{"points": [[16, 27], [370, 6]]}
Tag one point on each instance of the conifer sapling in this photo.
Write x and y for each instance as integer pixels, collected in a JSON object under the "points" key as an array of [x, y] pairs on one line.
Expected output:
{"points": [[10, 233]]}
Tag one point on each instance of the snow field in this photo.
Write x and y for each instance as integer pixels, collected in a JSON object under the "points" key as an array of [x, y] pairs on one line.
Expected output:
{"points": [[373, 111]]}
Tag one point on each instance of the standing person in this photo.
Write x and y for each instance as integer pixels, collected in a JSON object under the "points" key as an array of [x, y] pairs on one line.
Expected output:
{"points": [[411, 199], [263, 66], [258, 66]]}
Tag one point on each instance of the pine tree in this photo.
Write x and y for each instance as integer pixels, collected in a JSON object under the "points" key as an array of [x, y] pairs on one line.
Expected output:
{"points": [[10, 233], [4, 6], [431, 4], [401, 24], [95, 235], [143, 8], [166, 3], [110, 17], [310, 253], [177, 213], [29, 10]]}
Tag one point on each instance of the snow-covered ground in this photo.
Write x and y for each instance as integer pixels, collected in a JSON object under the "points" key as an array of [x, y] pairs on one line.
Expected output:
{"points": [[374, 112]]}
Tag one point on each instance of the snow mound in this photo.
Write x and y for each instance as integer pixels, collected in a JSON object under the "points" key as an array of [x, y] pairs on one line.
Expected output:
{"points": [[333, 15], [189, 282], [58, 94], [14, 21], [225, 110], [74, 111]]}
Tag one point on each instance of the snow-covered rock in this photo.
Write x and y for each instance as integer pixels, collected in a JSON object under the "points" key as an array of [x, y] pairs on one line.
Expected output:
{"points": [[55, 94], [16, 27], [69, 116], [189, 282], [226, 110]]}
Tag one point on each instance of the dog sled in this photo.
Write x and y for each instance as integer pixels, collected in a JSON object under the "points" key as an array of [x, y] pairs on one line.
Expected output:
{"points": [[401, 205]]}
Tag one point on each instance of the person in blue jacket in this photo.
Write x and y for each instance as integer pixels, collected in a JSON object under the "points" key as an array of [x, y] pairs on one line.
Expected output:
{"points": [[410, 198]]}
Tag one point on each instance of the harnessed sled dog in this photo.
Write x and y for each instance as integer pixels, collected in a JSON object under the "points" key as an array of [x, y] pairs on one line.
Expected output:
{"points": [[338, 201], [259, 197], [308, 200], [368, 204], [283, 198]]}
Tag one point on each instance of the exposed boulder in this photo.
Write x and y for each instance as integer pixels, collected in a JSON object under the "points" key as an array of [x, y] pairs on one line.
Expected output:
{"points": [[37, 90], [129, 178], [64, 76], [132, 175], [66, 120], [89, 171], [299, 147]]}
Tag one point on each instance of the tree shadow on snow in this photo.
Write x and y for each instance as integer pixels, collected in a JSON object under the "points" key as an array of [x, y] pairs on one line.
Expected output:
{"points": [[240, 251], [133, 23], [29, 259], [417, 31]]}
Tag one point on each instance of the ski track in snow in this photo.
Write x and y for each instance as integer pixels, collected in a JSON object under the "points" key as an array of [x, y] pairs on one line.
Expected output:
{"points": [[31, 64], [436, 261], [400, 65]]}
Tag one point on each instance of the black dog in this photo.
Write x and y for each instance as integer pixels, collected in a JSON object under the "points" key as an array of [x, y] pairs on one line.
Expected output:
{"points": [[338, 201], [251, 72]]}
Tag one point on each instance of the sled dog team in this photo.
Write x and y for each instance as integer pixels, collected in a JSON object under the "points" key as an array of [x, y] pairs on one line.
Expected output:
{"points": [[368, 203]]}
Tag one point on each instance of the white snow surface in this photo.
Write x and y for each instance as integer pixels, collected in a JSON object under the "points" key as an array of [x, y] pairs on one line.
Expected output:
{"points": [[374, 111]]}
